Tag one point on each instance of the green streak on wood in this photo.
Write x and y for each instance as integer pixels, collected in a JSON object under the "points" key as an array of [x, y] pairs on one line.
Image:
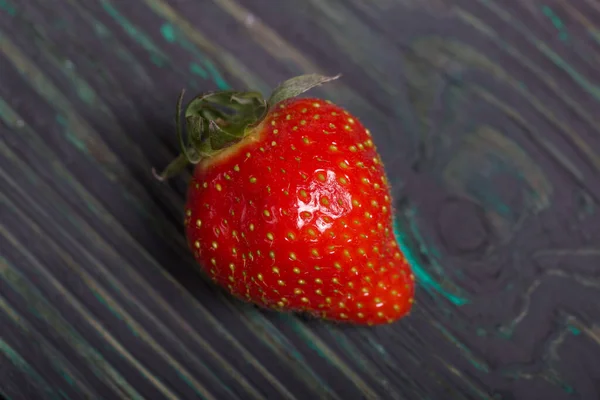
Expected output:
{"points": [[172, 35], [156, 55], [575, 331], [120, 313], [585, 84], [466, 352], [41, 308], [12, 119], [557, 22], [8, 8], [19, 362], [321, 348], [198, 70], [69, 135], [423, 278], [61, 365]]}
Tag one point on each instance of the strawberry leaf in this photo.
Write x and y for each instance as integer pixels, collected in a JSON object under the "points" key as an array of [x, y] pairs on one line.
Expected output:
{"points": [[296, 86]]}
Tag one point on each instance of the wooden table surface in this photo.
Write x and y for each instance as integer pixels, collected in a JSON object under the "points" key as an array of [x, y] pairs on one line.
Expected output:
{"points": [[486, 115]]}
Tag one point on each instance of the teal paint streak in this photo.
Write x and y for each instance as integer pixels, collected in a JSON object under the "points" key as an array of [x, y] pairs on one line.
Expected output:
{"points": [[422, 276], [24, 366], [557, 22], [156, 55], [574, 331], [171, 35], [191, 385], [114, 312], [576, 76], [480, 365], [8, 8], [486, 193], [168, 33], [198, 70], [69, 135]]}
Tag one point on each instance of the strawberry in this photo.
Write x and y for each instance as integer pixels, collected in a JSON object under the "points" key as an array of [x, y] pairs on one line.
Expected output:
{"points": [[289, 206]]}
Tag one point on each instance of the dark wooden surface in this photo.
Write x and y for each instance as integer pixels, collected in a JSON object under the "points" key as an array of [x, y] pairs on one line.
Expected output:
{"points": [[486, 114]]}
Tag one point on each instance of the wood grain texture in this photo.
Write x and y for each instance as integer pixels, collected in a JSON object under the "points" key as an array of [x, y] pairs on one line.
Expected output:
{"points": [[484, 112]]}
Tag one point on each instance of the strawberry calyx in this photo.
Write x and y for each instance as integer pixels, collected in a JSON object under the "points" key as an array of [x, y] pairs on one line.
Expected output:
{"points": [[215, 121]]}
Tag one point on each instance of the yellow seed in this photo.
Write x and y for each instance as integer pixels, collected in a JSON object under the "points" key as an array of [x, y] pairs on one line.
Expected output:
{"points": [[304, 300], [297, 291], [218, 187], [215, 245], [267, 213], [303, 122], [292, 256], [291, 236], [275, 270], [315, 252], [296, 270], [270, 236], [333, 148], [344, 316], [260, 277], [301, 282], [251, 227], [321, 177], [280, 282], [343, 180], [252, 179], [318, 281], [360, 315]]}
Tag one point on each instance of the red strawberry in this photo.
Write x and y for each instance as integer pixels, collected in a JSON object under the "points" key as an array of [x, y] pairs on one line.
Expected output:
{"points": [[289, 205]]}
